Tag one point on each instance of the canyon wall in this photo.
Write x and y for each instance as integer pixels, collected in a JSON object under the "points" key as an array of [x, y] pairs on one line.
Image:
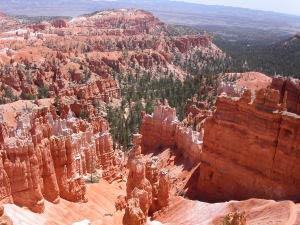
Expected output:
{"points": [[251, 149], [46, 157], [162, 129]]}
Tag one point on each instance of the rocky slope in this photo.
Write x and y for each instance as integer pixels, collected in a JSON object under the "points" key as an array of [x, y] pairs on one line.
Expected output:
{"points": [[147, 189], [182, 211], [289, 90], [100, 208], [50, 147], [194, 166], [250, 122], [89, 52], [225, 167], [7, 22]]}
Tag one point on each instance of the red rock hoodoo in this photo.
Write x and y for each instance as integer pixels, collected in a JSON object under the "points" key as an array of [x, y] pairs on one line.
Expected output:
{"points": [[147, 186], [46, 156], [290, 89], [246, 146]]}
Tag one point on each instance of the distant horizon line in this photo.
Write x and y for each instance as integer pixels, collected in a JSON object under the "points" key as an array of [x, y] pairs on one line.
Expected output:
{"points": [[178, 1], [231, 6]]}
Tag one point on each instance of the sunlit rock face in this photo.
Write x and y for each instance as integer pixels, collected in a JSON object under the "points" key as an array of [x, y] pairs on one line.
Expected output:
{"points": [[83, 56], [147, 186], [247, 147], [290, 90], [46, 156], [162, 129], [250, 148]]}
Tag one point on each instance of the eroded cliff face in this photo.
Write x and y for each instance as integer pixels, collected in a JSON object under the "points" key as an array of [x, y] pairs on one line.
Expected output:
{"points": [[8, 22], [289, 89], [46, 156], [162, 129], [250, 149], [247, 148]]}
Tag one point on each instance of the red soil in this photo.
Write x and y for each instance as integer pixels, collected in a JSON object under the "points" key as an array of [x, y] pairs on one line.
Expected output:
{"points": [[99, 210]]}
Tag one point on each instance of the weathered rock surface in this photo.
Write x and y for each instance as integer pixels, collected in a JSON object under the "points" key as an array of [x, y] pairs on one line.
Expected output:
{"points": [[147, 188], [289, 92], [7, 22], [186, 42], [162, 129], [46, 156], [249, 146], [195, 114], [257, 211], [250, 150], [99, 209], [83, 56], [133, 213], [235, 83]]}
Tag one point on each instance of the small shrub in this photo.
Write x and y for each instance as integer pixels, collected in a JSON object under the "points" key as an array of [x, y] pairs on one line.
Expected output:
{"points": [[27, 96], [84, 114], [235, 218], [2, 101], [9, 94], [43, 92], [92, 178], [57, 101]]}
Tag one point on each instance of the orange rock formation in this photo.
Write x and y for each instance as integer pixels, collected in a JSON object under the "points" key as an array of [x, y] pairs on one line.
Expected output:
{"points": [[46, 156], [290, 90], [82, 56], [250, 149], [147, 188], [246, 147], [260, 125], [162, 129]]}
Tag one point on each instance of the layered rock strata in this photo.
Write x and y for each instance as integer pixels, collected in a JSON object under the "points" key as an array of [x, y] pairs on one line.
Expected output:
{"points": [[251, 149], [250, 146], [235, 83], [162, 129], [46, 156], [195, 114]]}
